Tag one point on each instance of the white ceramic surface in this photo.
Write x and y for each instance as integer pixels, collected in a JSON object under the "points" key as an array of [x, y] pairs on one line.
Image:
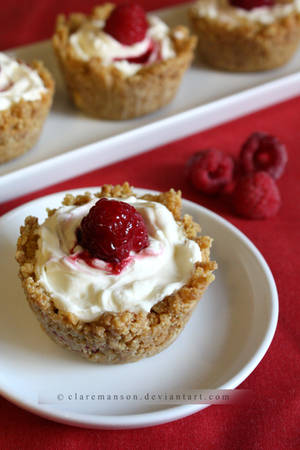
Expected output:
{"points": [[225, 339], [72, 144]]}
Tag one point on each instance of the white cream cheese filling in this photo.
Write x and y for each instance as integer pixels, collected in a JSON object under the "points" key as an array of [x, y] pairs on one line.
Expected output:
{"points": [[157, 271], [91, 41], [18, 82]]}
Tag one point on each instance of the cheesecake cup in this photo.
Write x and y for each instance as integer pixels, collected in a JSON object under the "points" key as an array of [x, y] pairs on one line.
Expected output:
{"points": [[238, 40], [124, 336], [22, 119], [104, 91]]}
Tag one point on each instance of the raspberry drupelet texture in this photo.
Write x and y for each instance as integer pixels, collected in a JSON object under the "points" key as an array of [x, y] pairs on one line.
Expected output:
{"points": [[111, 230], [127, 23], [261, 151], [256, 196], [250, 4], [210, 171]]}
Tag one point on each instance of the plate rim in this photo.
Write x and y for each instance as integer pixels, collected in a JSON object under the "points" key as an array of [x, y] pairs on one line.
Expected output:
{"points": [[169, 414]]}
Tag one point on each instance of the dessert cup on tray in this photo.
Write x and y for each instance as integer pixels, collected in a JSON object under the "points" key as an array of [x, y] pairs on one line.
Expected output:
{"points": [[120, 87], [233, 38]]}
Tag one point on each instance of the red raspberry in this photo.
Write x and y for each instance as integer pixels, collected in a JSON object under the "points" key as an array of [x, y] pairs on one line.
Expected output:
{"points": [[111, 230], [262, 151], [210, 171], [127, 23], [256, 196], [250, 4]]}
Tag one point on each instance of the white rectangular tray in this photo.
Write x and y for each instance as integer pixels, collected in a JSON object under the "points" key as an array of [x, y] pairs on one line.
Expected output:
{"points": [[72, 144]]}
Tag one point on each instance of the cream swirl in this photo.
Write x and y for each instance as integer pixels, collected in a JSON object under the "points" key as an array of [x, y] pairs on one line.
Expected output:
{"points": [[91, 41], [89, 290], [18, 82]]}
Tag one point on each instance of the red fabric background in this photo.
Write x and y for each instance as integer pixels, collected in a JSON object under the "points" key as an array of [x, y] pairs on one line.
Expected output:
{"points": [[271, 419]]}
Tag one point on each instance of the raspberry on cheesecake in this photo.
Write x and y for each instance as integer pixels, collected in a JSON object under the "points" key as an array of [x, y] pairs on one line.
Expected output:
{"points": [[111, 230], [251, 4], [127, 24]]}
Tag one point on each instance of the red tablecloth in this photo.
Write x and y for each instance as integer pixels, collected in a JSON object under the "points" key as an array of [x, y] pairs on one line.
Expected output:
{"points": [[271, 420]]}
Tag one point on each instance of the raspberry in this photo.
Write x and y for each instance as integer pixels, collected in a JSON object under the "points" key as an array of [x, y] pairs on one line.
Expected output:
{"points": [[250, 4], [127, 23], [256, 196], [210, 171], [262, 151], [111, 230]]}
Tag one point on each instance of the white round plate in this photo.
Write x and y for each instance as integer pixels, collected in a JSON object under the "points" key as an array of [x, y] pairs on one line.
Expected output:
{"points": [[226, 337]]}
